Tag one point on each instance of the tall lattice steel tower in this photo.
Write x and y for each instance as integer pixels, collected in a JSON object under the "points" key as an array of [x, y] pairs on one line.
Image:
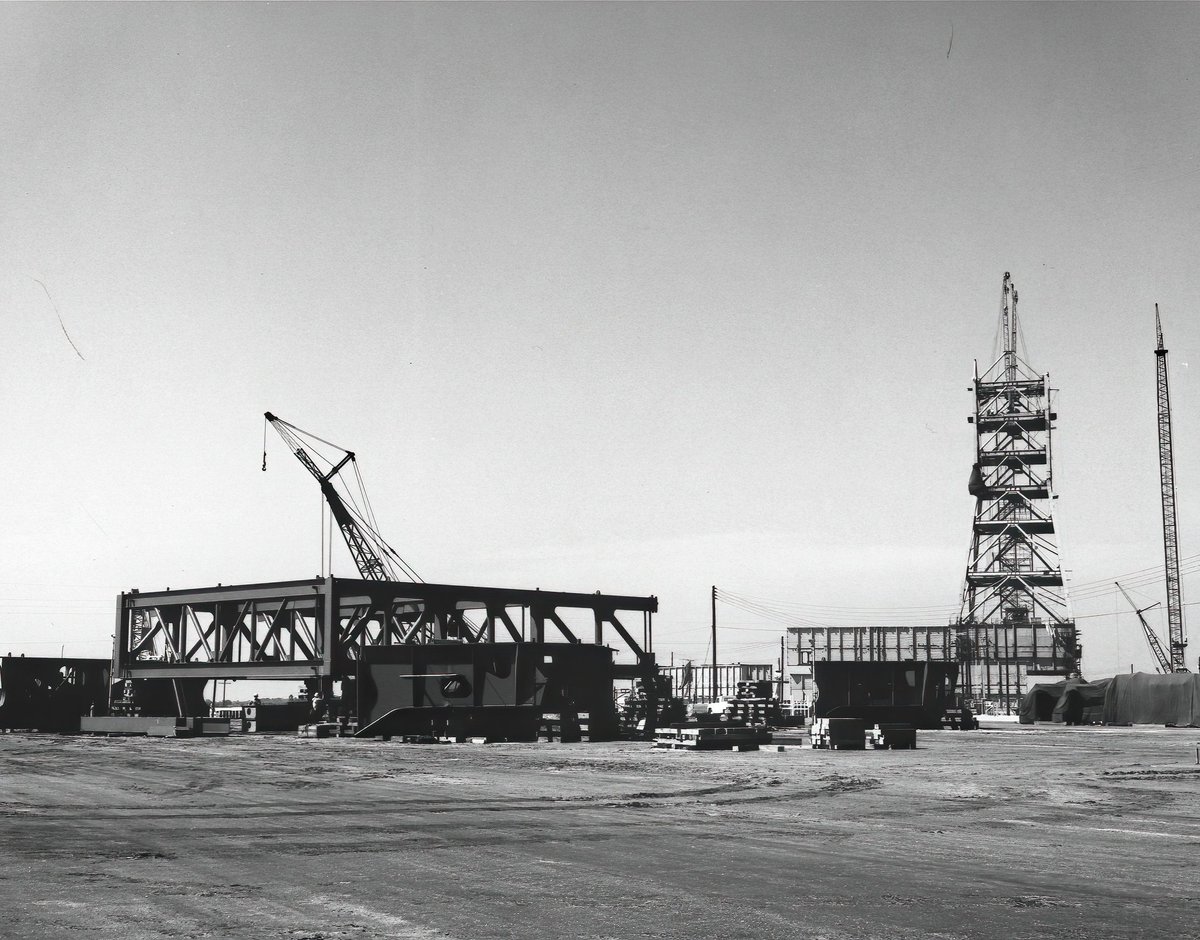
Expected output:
{"points": [[1166, 466], [1015, 618]]}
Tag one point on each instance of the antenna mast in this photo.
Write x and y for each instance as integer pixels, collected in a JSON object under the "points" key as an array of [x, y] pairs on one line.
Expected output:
{"points": [[1166, 468]]}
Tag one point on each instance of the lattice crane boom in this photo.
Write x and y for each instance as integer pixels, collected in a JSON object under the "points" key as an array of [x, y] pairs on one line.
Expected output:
{"points": [[1156, 647], [1166, 465], [373, 557]]}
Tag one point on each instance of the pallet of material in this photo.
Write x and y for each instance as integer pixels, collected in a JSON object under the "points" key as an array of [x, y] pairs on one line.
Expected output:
{"points": [[838, 734], [709, 737], [959, 719], [572, 729], [155, 726], [321, 729], [893, 737]]}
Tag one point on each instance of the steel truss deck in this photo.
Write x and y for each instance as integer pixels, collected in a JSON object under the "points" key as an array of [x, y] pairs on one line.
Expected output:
{"points": [[317, 629]]}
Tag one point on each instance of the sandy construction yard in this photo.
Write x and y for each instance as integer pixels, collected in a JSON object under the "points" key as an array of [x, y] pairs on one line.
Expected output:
{"points": [[1015, 833]]}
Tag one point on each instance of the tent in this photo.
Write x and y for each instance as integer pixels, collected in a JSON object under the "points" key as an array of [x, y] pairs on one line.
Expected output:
{"points": [[1071, 701], [1147, 699]]}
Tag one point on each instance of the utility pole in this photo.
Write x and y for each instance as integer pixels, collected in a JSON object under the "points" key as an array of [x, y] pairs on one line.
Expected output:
{"points": [[714, 642], [782, 664], [1166, 467]]}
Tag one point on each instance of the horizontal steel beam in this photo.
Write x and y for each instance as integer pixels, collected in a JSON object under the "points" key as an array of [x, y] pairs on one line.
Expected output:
{"points": [[318, 628], [154, 669], [350, 591]]}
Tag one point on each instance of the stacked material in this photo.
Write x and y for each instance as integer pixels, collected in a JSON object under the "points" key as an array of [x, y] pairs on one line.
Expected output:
{"points": [[279, 717], [838, 734], [564, 727], [893, 737], [727, 736], [959, 718], [320, 729], [155, 727], [755, 704]]}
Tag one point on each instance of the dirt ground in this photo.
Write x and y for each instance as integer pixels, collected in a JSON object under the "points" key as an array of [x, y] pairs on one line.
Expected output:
{"points": [[1016, 833]]}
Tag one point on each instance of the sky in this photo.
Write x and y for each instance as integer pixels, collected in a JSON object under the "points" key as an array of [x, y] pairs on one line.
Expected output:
{"points": [[638, 298]]}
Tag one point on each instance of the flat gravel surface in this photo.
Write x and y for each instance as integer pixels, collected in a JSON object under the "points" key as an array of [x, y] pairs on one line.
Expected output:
{"points": [[1016, 833]]}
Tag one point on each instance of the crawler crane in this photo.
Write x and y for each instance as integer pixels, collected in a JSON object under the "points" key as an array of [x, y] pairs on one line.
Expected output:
{"points": [[1156, 647], [1177, 638]]}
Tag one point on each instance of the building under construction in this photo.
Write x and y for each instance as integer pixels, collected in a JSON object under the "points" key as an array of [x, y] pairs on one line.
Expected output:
{"points": [[1015, 623]]}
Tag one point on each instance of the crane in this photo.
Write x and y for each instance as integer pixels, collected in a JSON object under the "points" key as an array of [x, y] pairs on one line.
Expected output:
{"points": [[1166, 465], [374, 558], [1156, 647]]}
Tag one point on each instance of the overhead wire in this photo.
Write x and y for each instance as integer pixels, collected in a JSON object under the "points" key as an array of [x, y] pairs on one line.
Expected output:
{"points": [[793, 613]]}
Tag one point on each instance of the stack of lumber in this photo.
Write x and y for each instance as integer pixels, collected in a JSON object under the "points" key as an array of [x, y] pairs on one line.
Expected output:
{"points": [[754, 703], [567, 728], [838, 734], [893, 737], [320, 729], [709, 736]]}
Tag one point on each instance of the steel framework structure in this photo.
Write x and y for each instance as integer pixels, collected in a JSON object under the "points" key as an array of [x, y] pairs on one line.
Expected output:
{"points": [[1014, 574], [316, 630], [1177, 639], [997, 656]]}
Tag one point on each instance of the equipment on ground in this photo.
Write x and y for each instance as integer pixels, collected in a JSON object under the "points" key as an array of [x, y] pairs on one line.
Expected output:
{"points": [[497, 691], [838, 734]]}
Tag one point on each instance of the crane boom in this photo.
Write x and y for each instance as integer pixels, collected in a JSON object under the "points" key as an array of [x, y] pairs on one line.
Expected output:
{"points": [[1166, 465], [1156, 647], [373, 557]]}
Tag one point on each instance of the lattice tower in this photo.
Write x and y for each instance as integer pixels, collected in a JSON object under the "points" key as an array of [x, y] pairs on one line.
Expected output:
{"points": [[1166, 466], [1014, 574]]}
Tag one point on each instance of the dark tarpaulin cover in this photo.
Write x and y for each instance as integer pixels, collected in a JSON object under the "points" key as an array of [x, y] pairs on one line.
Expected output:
{"points": [[1071, 701], [1148, 699]]}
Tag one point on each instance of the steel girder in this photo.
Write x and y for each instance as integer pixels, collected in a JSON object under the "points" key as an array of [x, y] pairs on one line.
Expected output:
{"points": [[316, 629]]}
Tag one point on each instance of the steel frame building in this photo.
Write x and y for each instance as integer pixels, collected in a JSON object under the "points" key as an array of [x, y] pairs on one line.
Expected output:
{"points": [[316, 630]]}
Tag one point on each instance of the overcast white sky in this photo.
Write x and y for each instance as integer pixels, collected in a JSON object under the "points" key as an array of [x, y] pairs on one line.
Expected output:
{"points": [[620, 297]]}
